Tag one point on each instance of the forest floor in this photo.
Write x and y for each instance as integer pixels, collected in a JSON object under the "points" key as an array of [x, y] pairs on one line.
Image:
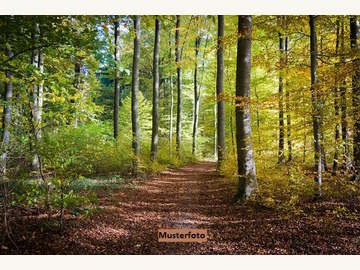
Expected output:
{"points": [[194, 196]]}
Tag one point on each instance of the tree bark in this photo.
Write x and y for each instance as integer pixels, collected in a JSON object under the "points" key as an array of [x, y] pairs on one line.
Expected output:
{"points": [[171, 100], [35, 63], [6, 121], [316, 113], [117, 79], [288, 108], [155, 108], [344, 124], [134, 94], [354, 34], [220, 93], [6, 124], [196, 95], [179, 85], [215, 125], [336, 101], [246, 164], [281, 152]]}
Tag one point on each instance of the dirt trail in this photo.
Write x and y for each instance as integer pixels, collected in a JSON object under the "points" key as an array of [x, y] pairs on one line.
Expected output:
{"points": [[191, 197]]}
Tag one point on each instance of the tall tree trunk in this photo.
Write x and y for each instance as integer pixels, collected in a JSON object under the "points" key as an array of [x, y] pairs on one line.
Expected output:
{"points": [[322, 105], [171, 100], [179, 85], [134, 94], [354, 34], [171, 115], [215, 124], [344, 124], [288, 108], [38, 63], [155, 108], [281, 152], [196, 95], [35, 63], [220, 93], [38, 115], [316, 113], [246, 164], [336, 100], [6, 124], [117, 79]]}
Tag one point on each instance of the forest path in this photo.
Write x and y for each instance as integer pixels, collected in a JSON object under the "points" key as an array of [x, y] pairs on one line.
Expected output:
{"points": [[193, 196]]}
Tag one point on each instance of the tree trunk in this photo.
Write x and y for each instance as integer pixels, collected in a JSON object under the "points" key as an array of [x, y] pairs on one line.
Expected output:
{"points": [[35, 63], [354, 34], [179, 85], [336, 101], [155, 108], [6, 124], [171, 115], [344, 124], [6, 121], [281, 153], [196, 95], [288, 109], [215, 125], [171, 101], [316, 113], [134, 94], [246, 164], [117, 79], [220, 93]]}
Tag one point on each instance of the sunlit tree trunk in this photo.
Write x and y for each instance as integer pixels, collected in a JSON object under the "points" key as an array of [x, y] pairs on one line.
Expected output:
{"points": [[281, 152], [215, 125], [336, 101], [171, 101], [117, 79], [134, 94], [316, 114], [179, 85], [220, 93], [35, 94], [288, 109], [246, 164], [6, 124], [354, 34], [155, 108], [196, 95], [344, 124]]}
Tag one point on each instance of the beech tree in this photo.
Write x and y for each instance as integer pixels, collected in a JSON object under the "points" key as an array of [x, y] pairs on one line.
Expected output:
{"points": [[134, 94], [196, 94], [245, 155], [155, 107], [220, 93], [36, 94], [315, 97], [336, 99], [179, 85], [117, 75], [281, 155], [354, 35]]}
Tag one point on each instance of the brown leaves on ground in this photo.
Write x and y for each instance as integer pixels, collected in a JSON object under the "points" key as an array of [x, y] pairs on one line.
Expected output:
{"points": [[191, 197]]}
